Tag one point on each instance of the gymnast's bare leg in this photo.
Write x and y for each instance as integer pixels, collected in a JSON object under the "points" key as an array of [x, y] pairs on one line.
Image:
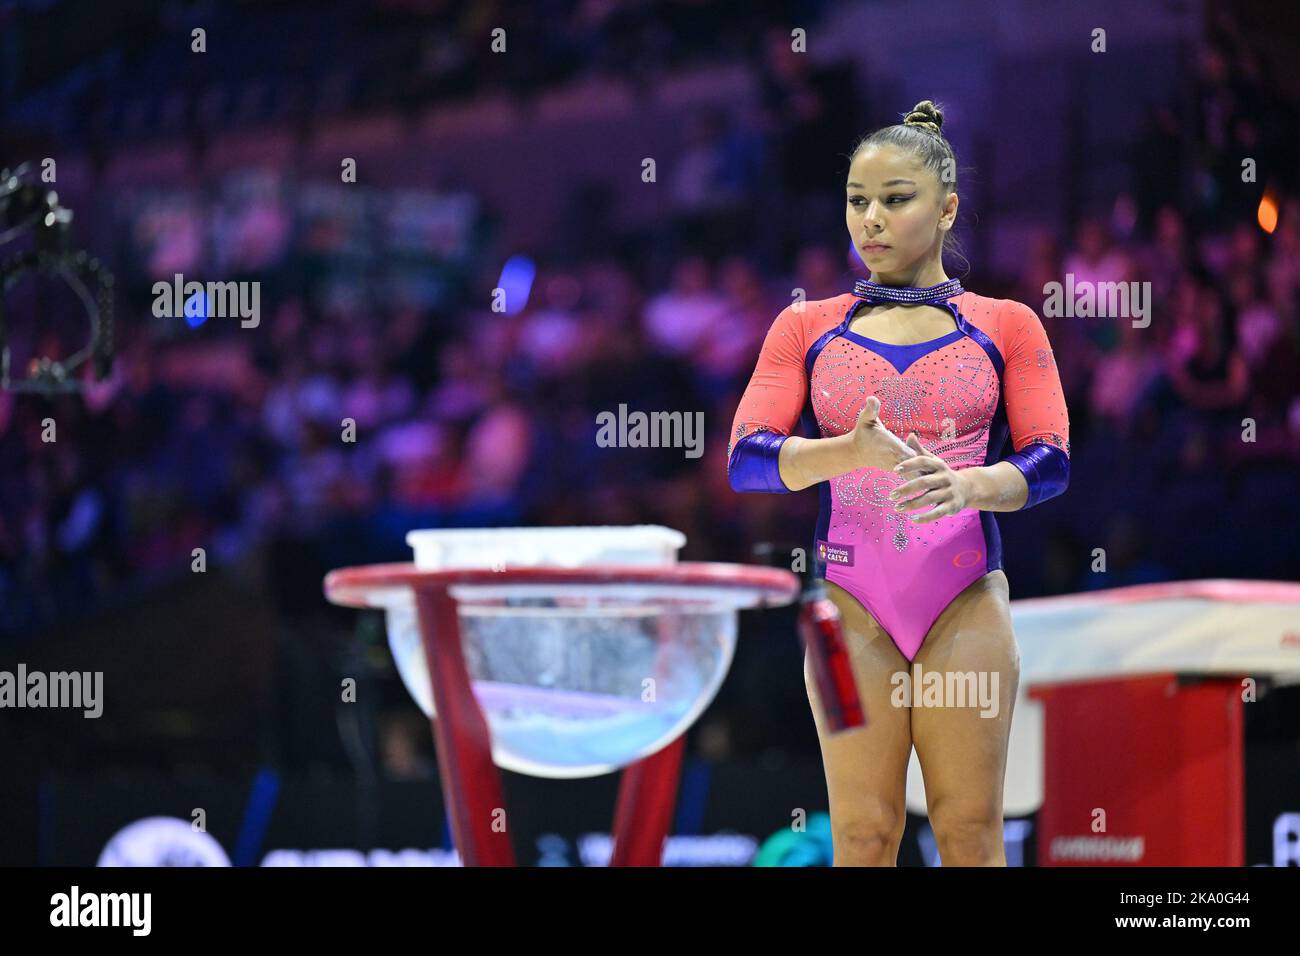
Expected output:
{"points": [[866, 768], [963, 755]]}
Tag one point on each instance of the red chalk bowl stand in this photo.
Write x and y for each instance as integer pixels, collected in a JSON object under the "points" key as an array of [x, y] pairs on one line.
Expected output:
{"points": [[560, 652]]}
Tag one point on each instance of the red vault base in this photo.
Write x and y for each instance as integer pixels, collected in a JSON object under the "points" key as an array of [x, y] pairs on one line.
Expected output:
{"points": [[1143, 771]]}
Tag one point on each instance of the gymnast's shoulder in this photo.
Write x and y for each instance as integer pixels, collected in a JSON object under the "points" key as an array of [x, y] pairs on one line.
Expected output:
{"points": [[1000, 318], [810, 318]]}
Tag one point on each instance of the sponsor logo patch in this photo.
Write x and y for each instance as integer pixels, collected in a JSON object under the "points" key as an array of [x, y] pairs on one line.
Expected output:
{"points": [[835, 553]]}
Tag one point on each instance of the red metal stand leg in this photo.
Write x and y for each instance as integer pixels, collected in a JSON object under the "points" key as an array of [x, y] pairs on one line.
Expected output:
{"points": [[471, 782], [647, 795]]}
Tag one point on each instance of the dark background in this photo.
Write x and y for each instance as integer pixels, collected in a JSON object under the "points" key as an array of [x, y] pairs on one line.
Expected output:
{"points": [[375, 304]]}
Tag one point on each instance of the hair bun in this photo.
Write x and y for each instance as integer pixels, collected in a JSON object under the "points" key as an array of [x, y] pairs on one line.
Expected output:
{"points": [[925, 114]]}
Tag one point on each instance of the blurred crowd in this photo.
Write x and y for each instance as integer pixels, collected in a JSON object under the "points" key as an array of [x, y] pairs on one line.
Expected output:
{"points": [[1185, 433], [304, 62]]}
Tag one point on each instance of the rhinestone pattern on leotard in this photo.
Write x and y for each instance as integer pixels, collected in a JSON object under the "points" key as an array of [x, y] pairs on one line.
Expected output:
{"points": [[948, 397], [964, 390]]}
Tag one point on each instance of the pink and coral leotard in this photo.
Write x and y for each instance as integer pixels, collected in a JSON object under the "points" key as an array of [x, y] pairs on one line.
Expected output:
{"points": [[964, 394]]}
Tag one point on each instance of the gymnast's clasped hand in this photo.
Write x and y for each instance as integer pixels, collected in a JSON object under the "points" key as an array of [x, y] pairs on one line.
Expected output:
{"points": [[935, 484], [929, 481]]}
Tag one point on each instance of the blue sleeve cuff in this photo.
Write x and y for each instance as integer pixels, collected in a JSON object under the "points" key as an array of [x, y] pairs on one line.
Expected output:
{"points": [[1046, 469], [753, 465]]}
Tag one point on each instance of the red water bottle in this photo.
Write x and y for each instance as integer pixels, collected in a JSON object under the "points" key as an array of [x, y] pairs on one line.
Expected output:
{"points": [[822, 632]]}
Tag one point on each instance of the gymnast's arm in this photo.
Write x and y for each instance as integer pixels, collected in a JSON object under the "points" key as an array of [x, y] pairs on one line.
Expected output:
{"points": [[997, 487], [783, 463], [764, 456], [757, 456], [1039, 468]]}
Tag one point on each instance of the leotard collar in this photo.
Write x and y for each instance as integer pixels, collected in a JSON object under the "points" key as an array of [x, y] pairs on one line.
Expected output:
{"points": [[931, 295]]}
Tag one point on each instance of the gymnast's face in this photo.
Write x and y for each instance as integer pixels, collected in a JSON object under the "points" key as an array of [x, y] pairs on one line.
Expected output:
{"points": [[897, 214]]}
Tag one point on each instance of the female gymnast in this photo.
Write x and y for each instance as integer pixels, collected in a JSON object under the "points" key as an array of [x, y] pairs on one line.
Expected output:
{"points": [[906, 539]]}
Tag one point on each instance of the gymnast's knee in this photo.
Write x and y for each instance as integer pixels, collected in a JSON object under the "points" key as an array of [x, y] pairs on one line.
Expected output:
{"points": [[869, 839], [968, 836]]}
